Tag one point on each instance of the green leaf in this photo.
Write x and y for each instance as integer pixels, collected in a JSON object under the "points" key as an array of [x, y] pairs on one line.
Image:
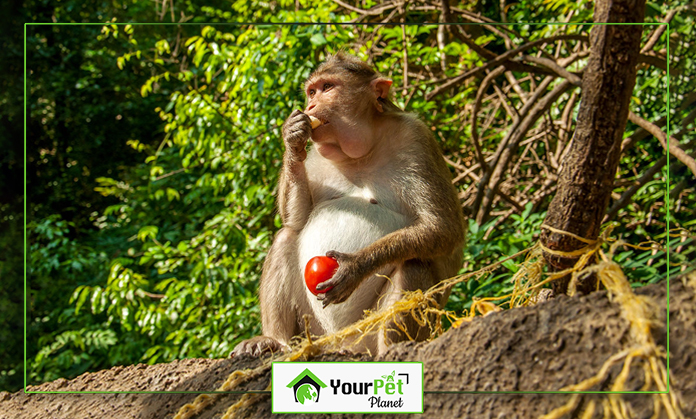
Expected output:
{"points": [[147, 232], [317, 39]]}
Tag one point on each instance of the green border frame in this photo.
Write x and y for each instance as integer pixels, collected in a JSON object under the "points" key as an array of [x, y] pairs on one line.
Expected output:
{"points": [[355, 362], [667, 110]]}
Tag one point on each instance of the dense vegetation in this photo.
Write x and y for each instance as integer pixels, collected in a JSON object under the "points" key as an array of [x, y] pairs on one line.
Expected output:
{"points": [[153, 153]]}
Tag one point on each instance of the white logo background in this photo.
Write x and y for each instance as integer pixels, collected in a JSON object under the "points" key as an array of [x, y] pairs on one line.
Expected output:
{"points": [[399, 387]]}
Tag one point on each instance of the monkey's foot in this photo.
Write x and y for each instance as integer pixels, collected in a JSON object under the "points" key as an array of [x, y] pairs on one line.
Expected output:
{"points": [[256, 346]]}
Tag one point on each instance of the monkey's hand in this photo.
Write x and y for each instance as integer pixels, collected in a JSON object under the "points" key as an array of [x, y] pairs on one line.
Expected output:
{"points": [[296, 131], [256, 346], [348, 276]]}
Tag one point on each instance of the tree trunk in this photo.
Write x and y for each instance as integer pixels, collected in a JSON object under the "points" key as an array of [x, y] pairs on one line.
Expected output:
{"points": [[587, 173]]}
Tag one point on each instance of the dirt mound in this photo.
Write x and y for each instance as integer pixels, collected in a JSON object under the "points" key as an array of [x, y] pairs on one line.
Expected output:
{"points": [[540, 348]]}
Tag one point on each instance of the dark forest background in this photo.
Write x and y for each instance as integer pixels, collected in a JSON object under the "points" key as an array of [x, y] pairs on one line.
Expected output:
{"points": [[152, 154]]}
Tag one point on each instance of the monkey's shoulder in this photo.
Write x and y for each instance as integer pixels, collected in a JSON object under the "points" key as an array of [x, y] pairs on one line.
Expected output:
{"points": [[412, 140]]}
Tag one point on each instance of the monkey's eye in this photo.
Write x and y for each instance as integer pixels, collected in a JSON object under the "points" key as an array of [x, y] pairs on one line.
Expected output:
{"points": [[310, 93], [327, 86]]}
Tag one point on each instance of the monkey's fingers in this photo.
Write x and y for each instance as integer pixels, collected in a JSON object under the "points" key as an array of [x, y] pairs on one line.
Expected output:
{"points": [[332, 299], [322, 294], [334, 254], [325, 285], [325, 301], [338, 293], [314, 121]]}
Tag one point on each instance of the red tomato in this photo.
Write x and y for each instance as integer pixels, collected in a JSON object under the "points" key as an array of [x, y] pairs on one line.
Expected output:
{"points": [[318, 270]]}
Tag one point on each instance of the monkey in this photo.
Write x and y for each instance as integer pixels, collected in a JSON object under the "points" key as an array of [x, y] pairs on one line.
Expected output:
{"points": [[374, 193]]}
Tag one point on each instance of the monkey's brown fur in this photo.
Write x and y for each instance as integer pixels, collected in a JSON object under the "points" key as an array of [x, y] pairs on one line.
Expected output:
{"points": [[374, 193]]}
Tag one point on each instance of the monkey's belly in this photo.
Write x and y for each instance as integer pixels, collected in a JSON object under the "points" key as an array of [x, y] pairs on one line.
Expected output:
{"points": [[347, 225]]}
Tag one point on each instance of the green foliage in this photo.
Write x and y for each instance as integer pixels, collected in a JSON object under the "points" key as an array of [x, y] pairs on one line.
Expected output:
{"points": [[184, 232], [488, 244], [81, 112], [56, 260]]}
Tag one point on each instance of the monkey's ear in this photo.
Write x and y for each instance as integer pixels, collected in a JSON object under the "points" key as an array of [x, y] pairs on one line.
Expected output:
{"points": [[381, 88]]}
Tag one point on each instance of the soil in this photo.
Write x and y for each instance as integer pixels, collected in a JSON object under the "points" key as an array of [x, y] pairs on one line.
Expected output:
{"points": [[541, 348]]}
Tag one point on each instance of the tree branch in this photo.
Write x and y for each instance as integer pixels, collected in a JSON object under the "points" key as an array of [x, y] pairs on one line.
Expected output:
{"points": [[660, 30], [516, 136], [485, 179], [477, 104], [369, 12], [500, 60], [655, 61], [628, 194], [555, 67], [672, 145]]}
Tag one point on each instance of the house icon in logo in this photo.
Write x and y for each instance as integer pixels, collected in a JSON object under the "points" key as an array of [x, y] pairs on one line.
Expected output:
{"points": [[306, 387]]}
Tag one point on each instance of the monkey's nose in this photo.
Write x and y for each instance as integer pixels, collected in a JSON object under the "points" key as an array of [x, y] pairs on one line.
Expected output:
{"points": [[309, 108]]}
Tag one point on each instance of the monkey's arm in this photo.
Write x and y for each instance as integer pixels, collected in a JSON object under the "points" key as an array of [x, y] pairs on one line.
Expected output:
{"points": [[294, 197], [437, 231]]}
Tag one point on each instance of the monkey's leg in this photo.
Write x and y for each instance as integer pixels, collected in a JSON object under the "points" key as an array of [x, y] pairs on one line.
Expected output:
{"points": [[447, 267], [412, 275], [282, 298]]}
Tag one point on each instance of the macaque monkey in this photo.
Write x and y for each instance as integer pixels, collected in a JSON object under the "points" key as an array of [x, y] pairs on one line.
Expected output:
{"points": [[374, 193]]}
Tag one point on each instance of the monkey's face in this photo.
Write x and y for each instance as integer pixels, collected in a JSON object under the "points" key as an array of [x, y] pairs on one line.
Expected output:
{"points": [[346, 111]]}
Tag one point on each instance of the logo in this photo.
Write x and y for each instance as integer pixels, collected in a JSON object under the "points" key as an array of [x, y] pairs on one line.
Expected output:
{"points": [[347, 387], [306, 387]]}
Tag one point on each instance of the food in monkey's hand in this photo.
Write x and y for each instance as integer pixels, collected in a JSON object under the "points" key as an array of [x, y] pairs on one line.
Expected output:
{"points": [[314, 121], [318, 270]]}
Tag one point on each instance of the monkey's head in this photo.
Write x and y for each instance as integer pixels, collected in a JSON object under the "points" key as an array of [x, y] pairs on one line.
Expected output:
{"points": [[351, 99]]}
